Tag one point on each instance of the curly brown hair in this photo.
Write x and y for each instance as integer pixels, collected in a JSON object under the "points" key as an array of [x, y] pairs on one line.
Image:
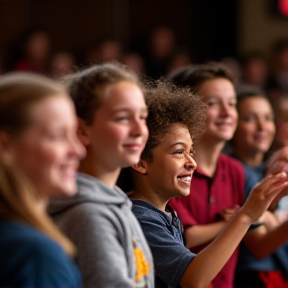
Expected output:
{"points": [[168, 104]]}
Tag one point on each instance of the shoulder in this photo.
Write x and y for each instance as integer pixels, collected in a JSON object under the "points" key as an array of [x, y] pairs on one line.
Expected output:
{"points": [[231, 164], [33, 242], [145, 211], [36, 257]]}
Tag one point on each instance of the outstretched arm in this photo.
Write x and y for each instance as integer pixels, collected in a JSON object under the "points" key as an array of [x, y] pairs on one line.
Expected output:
{"points": [[196, 235], [210, 261]]}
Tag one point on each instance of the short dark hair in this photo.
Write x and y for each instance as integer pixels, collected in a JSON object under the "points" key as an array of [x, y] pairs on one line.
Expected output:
{"points": [[246, 91], [194, 75]]}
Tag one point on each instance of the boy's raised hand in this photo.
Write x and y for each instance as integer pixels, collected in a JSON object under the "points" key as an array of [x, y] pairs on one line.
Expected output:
{"points": [[263, 194]]}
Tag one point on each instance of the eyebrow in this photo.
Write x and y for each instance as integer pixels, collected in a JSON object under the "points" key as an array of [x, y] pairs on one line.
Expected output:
{"points": [[180, 143], [117, 110]]}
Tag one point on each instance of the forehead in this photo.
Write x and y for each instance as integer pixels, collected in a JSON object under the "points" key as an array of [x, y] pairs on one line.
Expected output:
{"points": [[121, 94], [218, 87], [116, 90], [53, 110], [177, 133], [255, 103]]}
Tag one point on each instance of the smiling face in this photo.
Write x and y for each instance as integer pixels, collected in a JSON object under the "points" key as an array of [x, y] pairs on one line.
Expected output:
{"points": [[48, 151], [118, 132], [219, 95], [256, 128], [170, 171]]}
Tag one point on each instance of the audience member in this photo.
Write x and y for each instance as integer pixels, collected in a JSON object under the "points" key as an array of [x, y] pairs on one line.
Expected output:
{"points": [[254, 70], [134, 61], [220, 178], [161, 45], [168, 156], [252, 139], [112, 250], [39, 154], [62, 64], [34, 52]]}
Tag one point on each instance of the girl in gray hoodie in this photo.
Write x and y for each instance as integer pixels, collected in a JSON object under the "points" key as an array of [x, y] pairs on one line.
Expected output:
{"points": [[112, 250]]}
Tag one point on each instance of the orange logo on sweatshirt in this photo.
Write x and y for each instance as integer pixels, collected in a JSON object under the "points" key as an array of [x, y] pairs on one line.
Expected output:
{"points": [[142, 267]]}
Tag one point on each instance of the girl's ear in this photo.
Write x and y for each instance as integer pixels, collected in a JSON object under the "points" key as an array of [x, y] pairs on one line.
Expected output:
{"points": [[140, 167], [82, 132]]}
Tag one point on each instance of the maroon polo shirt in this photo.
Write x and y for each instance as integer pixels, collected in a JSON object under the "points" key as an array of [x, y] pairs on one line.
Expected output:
{"points": [[209, 196]]}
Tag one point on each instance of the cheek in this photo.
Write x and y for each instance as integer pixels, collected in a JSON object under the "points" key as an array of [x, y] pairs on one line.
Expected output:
{"points": [[235, 116], [145, 133], [245, 130], [112, 136], [272, 130], [211, 115], [37, 162]]}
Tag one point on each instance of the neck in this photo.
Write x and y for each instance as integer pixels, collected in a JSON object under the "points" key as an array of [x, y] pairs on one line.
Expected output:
{"points": [[41, 203], [207, 156], [251, 159], [93, 168], [148, 194]]}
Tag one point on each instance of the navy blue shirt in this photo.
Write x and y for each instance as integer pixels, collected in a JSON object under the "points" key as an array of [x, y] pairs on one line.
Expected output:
{"points": [[163, 232], [28, 258]]}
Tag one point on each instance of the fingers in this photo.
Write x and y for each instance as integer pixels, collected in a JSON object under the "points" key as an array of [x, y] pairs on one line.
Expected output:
{"points": [[280, 155], [277, 167], [278, 161], [263, 194], [272, 180], [276, 189]]}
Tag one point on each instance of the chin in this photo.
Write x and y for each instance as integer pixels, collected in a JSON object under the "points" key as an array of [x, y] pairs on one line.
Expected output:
{"points": [[183, 193], [68, 190], [130, 162]]}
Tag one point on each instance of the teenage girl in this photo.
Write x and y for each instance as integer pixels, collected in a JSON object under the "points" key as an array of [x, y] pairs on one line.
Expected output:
{"points": [[112, 250], [39, 156]]}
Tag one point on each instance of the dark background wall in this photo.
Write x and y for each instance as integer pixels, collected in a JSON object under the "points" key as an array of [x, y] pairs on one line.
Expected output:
{"points": [[210, 29], [207, 27]]}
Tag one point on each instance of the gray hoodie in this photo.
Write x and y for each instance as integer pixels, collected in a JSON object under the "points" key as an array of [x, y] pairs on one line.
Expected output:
{"points": [[111, 248]]}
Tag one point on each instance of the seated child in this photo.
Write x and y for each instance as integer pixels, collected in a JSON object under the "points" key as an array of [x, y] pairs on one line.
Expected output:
{"points": [[176, 120]]}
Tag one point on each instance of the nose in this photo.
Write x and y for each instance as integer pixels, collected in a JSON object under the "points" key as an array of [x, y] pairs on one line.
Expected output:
{"points": [[260, 124], [225, 109], [190, 163], [139, 128]]}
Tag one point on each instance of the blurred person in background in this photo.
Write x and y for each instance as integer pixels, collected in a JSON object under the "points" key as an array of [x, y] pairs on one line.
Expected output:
{"points": [[254, 70], [277, 83], [62, 63], [180, 59], [161, 46], [252, 140], [33, 52], [39, 156], [109, 50], [134, 61]]}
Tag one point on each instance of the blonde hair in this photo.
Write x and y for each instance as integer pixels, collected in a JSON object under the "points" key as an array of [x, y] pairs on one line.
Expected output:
{"points": [[18, 198]]}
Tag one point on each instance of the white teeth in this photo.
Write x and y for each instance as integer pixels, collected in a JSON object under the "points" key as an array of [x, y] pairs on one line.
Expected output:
{"points": [[186, 179]]}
